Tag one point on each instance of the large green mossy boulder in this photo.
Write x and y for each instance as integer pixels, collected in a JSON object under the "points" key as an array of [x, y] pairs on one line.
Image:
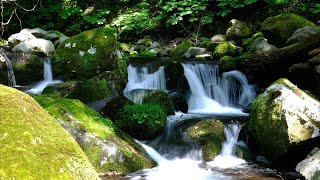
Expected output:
{"points": [[278, 29], [161, 98], [209, 134], [86, 54], [33, 145], [142, 121], [225, 48], [281, 117], [109, 149], [182, 48]]}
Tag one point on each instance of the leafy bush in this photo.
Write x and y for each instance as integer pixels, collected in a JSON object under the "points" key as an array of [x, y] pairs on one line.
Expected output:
{"points": [[142, 121], [161, 98]]}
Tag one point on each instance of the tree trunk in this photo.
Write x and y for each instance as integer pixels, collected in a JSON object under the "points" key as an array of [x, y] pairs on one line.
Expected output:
{"points": [[11, 77]]}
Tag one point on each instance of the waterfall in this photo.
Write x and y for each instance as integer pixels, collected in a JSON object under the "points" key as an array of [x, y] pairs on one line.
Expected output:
{"points": [[47, 78], [211, 93], [140, 79], [227, 158]]}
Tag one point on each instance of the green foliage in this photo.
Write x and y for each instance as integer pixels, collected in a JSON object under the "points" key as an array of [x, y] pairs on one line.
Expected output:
{"points": [[141, 121], [161, 98], [227, 6]]}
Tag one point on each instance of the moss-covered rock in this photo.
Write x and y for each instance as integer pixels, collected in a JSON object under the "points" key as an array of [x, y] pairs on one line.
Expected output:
{"points": [[182, 48], [34, 145], [225, 48], [108, 148], [86, 54], [281, 117], [142, 121], [112, 107], [51, 90], [210, 134], [161, 98], [92, 90], [278, 29]]}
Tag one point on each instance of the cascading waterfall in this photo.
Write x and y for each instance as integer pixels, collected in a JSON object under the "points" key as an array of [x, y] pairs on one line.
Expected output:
{"points": [[227, 158], [47, 78], [140, 79], [213, 94]]}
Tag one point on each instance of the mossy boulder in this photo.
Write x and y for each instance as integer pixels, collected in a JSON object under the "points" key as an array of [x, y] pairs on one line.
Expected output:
{"points": [[225, 48], [209, 134], [92, 90], [86, 54], [110, 151], [281, 117], [34, 145], [142, 121], [161, 98], [111, 108], [182, 48], [278, 29]]}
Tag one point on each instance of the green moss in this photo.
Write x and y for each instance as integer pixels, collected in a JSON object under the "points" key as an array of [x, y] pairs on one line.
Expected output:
{"points": [[182, 48], [58, 33], [51, 90], [225, 48], [124, 47], [34, 145], [112, 107], [148, 43], [92, 90], [161, 98], [257, 35], [247, 42], [134, 53], [134, 118], [108, 148], [148, 53], [86, 54], [279, 28], [210, 135]]}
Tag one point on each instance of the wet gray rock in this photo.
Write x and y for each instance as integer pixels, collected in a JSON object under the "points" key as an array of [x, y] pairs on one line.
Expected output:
{"points": [[310, 167]]}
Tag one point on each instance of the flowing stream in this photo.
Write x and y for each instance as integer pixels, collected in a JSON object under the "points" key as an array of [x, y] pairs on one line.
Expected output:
{"points": [[210, 95], [38, 87]]}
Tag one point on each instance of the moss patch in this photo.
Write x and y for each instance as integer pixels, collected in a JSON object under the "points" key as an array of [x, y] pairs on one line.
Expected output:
{"points": [[225, 48], [161, 98], [86, 54], [33, 145], [109, 149], [279, 28], [210, 135], [134, 118], [182, 48]]}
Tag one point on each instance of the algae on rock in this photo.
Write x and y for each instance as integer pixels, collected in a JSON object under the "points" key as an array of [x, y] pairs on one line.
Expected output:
{"points": [[33, 145], [111, 151]]}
